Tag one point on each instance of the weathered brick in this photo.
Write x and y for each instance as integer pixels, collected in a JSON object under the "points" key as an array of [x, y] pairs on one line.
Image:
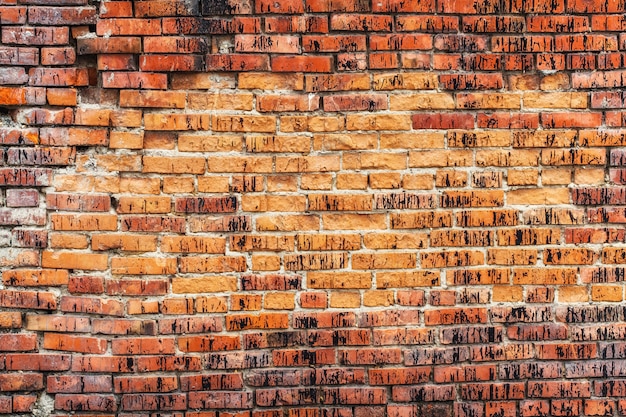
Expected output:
{"points": [[436, 187]]}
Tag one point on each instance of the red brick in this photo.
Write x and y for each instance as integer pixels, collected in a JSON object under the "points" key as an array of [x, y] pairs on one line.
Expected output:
{"points": [[301, 64], [27, 35], [289, 113], [21, 382]]}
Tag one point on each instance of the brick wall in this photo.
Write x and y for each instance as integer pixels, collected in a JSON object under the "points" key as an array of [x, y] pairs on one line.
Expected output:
{"points": [[312, 208]]}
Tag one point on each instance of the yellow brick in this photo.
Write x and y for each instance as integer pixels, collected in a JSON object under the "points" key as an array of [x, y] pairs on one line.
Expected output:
{"points": [[282, 144], [68, 241], [378, 122], [325, 123], [204, 284], [484, 139], [160, 121], [543, 100], [244, 124], [607, 293], [107, 184], [288, 223], [81, 183], [449, 258], [316, 181], [347, 181], [210, 304], [544, 276], [384, 260], [385, 180], [279, 301], [138, 185], [557, 176], [377, 298], [354, 221], [119, 163], [83, 222], [193, 244], [524, 82], [246, 302], [488, 101], [282, 183], [270, 81], [212, 264], [522, 177], [152, 98], [143, 266], [126, 118], [177, 185], [321, 163], [572, 294], [35, 277], [417, 181], [312, 123], [544, 138], [506, 158], [374, 160], [613, 255], [274, 243], [512, 256], [174, 165], [345, 299], [92, 117], [413, 140], [220, 101], [159, 140], [339, 280], [202, 80], [253, 164], [265, 262], [337, 82], [142, 307], [126, 140], [209, 143], [427, 101], [589, 176], [555, 157], [125, 242], [319, 241], [507, 294], [407, 279], [543, 196], [413, 240], [72, 260], [440, 158], [340, 202], [344, 142], [144, 205], [315, 261], [213, 184], [272, 203], [406, 81]]}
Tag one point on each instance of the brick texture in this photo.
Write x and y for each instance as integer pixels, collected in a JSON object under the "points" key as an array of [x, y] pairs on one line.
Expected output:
{"points": [[312, 208]]}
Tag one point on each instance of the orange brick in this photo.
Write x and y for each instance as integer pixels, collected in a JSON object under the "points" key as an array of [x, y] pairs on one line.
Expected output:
{"points": [[55, 341], [143, 266], [129, 243], [192, 244], [35, 277], [69, 260], [83, 222]]}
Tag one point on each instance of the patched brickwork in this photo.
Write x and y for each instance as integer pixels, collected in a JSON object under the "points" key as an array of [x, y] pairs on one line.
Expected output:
{"points": [[312, 208]]}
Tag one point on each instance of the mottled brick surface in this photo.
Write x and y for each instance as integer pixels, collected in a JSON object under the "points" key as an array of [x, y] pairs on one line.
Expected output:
{"points": [[312, 208]]}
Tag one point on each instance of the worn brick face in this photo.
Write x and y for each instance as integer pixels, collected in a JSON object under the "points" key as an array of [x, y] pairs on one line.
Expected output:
{"points": [[312, 208]]}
